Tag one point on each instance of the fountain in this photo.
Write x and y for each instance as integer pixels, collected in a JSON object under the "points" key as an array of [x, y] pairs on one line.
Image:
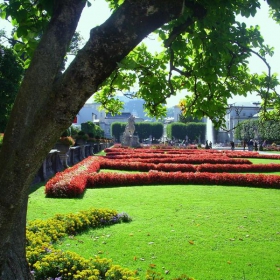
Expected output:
{"points": [[209, 131]]}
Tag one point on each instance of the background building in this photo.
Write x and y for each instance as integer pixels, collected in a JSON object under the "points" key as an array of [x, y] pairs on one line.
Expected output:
{"points": [[236, 113]]}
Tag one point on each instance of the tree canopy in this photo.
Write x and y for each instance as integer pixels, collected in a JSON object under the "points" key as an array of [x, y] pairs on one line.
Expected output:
{"points": [[11, 71], [206, 52]]}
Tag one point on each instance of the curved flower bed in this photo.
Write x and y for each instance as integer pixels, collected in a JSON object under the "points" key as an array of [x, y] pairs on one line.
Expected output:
{"points": [[46, 262], [71, 182], [191, 167]]}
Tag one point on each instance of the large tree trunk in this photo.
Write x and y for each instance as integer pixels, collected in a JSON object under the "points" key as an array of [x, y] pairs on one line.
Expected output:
{"points": [[48, 102]]}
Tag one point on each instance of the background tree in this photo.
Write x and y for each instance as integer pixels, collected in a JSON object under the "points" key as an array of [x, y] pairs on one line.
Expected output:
{"points": [[176, 131], [156, 130], [206, 51], [195, 131], [11, 73], [188, 119], [143, 129], [93, 130], [258, 130], [117, 129]]}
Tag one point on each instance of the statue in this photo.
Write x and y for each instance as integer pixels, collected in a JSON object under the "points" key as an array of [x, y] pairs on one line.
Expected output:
{"points": [[130, 127], [128, 138]]}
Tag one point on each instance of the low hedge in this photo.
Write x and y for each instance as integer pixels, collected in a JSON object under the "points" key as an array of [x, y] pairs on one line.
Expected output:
{"points": [[74, 181]]}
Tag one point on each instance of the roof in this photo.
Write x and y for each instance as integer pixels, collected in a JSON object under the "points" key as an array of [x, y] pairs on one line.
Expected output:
{"points": [[123, 115], [245, 104]]}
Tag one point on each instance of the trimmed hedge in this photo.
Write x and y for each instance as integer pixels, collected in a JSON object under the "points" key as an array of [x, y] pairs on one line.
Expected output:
{"points": [[73, 181]]}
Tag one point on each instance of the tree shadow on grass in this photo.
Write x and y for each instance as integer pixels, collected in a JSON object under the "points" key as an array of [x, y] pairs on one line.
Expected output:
{"points": [[35, 187]]}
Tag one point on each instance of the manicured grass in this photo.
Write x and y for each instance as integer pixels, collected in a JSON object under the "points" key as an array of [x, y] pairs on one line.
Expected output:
{"points": [[207, 232], [263, 161]]}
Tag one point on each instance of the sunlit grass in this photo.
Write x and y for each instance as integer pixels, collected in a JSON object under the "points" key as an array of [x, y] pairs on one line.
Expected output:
{"points": [[207, 232]]}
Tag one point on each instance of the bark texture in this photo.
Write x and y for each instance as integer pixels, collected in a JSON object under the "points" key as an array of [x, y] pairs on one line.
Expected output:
{"points": [[48, 101]]}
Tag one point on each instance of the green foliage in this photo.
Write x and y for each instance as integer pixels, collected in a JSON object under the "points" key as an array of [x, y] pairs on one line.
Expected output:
{"points": [[188, 119], [66, 133], [143, 130], [176, 130], [207, 51], [11, 73], [1, 139], [82, 135], [212, 65], [256, 129], [157, 130], [30, 20], [47, 262], [195, 131], [73, 130], [88, 127], [179, 131], [117, 128]]}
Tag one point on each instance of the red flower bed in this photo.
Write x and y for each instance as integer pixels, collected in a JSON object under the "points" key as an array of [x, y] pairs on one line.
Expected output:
{"points": [[164, 168], [218, 168], [173, 151], [143, 166], [182, 159], [163, 178], [72, 182]]}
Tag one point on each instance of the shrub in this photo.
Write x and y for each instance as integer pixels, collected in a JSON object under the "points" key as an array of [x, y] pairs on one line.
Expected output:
{"points": [[66, 140], [48, 263]]}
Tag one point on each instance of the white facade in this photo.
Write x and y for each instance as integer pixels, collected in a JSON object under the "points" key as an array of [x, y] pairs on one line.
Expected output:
{"points": [[237, 112], [90, 112], [177, 113]]}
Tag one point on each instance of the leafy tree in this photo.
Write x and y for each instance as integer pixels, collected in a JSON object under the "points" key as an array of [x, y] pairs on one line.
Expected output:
{"points": [[195, 131], [176, 130], [88, 127], [117, 129], [259, 130], [143, 130], [206, 52], [157, 130], [188, 119], [92, 129], [11, 72]]}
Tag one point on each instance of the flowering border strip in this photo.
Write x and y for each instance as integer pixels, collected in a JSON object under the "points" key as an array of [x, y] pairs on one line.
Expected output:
{"points": [[73, 181], [205, 167], [46, 262], [199, 159], [97, 180], [171, 151]]}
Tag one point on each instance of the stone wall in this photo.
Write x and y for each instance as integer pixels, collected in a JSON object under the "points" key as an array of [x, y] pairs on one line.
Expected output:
{"points": [[54, 161]]}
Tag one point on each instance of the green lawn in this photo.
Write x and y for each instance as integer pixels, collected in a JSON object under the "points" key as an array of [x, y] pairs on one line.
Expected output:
{"points": [[207, 232]]}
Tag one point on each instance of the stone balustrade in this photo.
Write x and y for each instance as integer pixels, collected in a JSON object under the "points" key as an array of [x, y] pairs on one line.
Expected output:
{"points": [[54, 161]]}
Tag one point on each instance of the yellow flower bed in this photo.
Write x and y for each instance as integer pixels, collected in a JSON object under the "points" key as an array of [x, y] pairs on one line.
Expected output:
{"points": [[48, 263]]}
